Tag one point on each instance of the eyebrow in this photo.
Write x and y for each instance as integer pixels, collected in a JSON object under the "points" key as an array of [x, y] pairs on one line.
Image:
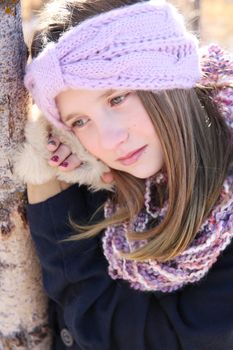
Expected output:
{"points": [[72, 115], [106, 93]]}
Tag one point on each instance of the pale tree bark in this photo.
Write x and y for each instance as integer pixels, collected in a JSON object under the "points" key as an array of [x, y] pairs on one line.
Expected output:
{"points": [[23, 305]]}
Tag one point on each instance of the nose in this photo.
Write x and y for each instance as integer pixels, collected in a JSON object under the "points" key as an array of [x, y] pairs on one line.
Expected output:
{"points": [[111, 135]]}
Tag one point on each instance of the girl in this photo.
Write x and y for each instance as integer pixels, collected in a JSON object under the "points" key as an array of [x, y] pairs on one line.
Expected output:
{"points": [[149, 264]]}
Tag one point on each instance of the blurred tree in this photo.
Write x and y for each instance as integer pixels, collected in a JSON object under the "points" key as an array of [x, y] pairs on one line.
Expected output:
{"points": [[196, 20], [23, 306], [191, 9]]}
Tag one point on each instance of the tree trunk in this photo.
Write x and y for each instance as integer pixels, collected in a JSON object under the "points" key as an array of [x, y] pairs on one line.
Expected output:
{"points": [[23, 305]]}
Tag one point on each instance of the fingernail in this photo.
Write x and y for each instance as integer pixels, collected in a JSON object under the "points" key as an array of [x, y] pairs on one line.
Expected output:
{"points": [[52, 142], [55, 159], [64, 164]]}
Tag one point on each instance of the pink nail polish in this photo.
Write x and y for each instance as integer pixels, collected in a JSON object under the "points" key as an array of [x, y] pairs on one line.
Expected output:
{"points": [[55, 159], [64, 164]]}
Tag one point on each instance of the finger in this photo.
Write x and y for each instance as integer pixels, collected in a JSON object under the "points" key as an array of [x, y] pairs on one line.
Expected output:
{"points": [[108, 177], [53, 143], [70, 163], [60, 155]]}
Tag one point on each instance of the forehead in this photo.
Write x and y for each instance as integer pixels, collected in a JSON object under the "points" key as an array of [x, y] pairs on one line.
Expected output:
{"points": [[84, 93]]}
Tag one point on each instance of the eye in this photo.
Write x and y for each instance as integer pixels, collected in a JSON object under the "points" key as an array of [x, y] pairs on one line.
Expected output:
{"points": [[115, 101], [80, 123]]}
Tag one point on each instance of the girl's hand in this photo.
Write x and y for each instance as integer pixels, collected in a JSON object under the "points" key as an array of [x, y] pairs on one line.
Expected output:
{"points": [[65, 160], [61, 155], [59, 158]]}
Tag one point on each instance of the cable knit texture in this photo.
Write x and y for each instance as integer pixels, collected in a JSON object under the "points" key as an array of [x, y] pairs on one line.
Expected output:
{"points": [[122, 48], [214, 235]]}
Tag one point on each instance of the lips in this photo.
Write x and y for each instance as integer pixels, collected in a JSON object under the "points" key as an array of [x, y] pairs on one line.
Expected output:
{"points": [[132, 157]]}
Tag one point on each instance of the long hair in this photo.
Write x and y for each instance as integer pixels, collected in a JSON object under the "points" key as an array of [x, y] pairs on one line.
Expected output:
{"points": [[195, 140]]}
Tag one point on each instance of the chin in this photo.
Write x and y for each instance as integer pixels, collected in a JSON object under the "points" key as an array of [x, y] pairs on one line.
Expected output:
{"points": [[145, 173]]}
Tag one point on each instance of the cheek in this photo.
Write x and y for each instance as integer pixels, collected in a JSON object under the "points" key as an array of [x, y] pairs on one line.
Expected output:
{"points": [[143, 124], [139, 119], [89, 142]]}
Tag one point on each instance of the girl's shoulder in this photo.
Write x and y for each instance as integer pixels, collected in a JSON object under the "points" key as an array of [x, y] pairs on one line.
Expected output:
{"points": [[217, 73]]}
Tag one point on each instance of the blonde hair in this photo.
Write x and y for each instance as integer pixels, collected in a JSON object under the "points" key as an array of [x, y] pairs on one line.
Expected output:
{"points": [[196, 145], [197, 154]]}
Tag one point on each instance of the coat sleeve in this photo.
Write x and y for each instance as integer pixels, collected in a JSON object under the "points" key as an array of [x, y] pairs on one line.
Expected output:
{"points": [[106, 314]]}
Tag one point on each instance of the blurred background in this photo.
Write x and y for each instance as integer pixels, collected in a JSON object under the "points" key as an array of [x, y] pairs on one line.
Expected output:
{"points": [[211, 19]]}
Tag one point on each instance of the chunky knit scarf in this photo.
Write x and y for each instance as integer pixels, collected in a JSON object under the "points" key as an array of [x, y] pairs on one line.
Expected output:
{"points": [[190, 266], [214, 235]]}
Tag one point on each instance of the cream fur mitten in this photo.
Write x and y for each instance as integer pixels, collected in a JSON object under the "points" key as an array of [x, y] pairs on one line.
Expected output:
{"points": [[31, 161]]}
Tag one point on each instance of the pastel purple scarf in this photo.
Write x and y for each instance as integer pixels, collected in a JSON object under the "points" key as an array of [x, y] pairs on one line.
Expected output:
{"points": [[190, 266]]}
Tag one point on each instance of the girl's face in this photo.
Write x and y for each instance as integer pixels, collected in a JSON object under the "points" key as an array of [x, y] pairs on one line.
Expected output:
{"points": [[113, 126]]}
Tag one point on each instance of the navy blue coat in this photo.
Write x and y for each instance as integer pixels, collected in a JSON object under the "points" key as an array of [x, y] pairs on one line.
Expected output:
{"points": [[90, 311]]}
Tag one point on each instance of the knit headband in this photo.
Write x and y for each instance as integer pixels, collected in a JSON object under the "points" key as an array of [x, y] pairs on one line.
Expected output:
{"points": [[144, 46]]}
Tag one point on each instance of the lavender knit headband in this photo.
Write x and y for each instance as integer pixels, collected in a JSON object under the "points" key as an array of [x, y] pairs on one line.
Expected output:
{"points": [[142, 46]]}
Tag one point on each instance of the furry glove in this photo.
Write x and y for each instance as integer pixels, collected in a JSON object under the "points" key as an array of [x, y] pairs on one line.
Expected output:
{"points": [[31, 162]]}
